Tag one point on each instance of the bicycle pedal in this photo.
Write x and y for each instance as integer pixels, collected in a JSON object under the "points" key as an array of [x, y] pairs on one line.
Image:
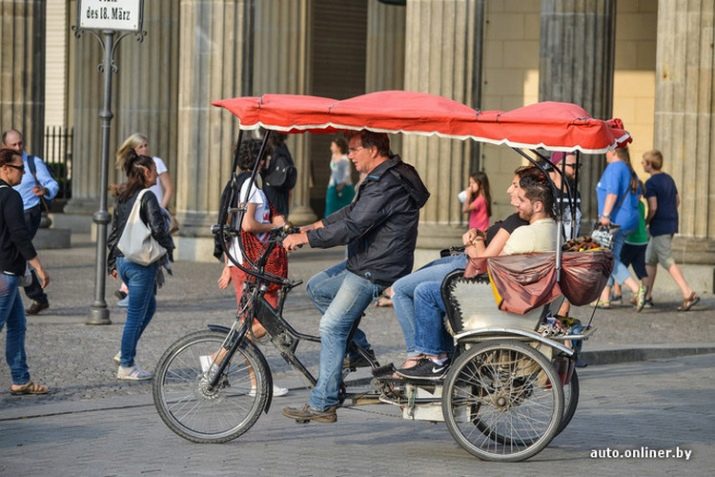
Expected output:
{"points": [[383, 371]]}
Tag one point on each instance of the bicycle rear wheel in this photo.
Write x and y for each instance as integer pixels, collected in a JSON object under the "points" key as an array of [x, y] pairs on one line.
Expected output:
{"points": [[195, 411], [571, 394], [499, 403]]}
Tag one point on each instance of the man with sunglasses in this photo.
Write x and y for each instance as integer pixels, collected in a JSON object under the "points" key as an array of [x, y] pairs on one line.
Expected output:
{"points": [[37, 185]]}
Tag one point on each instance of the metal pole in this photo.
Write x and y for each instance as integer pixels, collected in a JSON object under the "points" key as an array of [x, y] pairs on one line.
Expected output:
{"points": [[98, 313]]}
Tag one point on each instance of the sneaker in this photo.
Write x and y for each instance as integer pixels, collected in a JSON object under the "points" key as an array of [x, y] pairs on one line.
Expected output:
{"points": [[359, 361], [279, 391], [133, 373], [117, 358], [648, 303], [606, 305], [306, 414], [36, 307], [124, 302], [640, 298], [616, 300], [206, 362], [425, 369]]}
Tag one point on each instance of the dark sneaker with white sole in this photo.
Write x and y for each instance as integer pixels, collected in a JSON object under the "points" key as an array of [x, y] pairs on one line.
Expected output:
{"points": [[425, 369], [306, 414]]}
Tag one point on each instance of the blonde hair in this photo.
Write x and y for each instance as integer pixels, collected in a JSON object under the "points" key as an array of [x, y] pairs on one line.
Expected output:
{"points": [[654, 158], [129, 144]]}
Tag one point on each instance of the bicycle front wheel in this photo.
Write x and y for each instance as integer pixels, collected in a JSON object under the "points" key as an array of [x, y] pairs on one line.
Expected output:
{"points": [[193, 409]]}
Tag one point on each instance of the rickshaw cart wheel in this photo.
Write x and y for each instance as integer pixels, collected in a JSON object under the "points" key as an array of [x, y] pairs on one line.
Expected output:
{"points": [[499, 403], [571, 394], [199, 413]]}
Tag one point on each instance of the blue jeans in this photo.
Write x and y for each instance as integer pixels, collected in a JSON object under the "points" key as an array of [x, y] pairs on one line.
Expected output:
{"points": [[12, 312], [620, 271], [431, 337], [342, 297], [141, 282], [403, 299]]}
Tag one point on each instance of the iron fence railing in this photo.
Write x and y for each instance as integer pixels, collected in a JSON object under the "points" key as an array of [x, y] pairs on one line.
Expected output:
{"points": [[58, 157]]}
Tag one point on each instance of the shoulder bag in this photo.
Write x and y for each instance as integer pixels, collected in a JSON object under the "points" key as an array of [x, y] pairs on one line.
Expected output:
{"points": [[136, 243]]}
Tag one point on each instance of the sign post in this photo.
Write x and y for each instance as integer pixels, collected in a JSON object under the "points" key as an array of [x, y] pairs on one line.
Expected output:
{"points": [[105, 18]]}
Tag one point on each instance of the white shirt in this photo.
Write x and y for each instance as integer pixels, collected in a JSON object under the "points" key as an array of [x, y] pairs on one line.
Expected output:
{"points": [[156, 188], [539, 236], [262, 215]]}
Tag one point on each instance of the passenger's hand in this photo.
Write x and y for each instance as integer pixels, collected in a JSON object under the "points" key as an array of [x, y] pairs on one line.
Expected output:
{"points": [[225, 277], [114, 273], [295, 241], [469, 237]]}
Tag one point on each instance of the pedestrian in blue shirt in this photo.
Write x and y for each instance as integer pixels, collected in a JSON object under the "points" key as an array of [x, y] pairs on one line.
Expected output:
{"points": [[37, 186], [617, 192], [663, 202]]}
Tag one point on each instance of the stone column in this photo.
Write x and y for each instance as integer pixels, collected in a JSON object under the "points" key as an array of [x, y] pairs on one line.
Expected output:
{"points": [[148, 83], [210, 65], [685, 120], [22, 70], [281, 64], [385, 62], [576, 66], [439, 59]]}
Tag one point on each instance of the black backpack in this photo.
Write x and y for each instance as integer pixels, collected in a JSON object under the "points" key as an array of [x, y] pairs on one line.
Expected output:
{"points": [[282, 172]]}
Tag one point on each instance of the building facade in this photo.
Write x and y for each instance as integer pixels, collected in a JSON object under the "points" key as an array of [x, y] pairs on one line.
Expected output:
{"points": [[648, 62]]}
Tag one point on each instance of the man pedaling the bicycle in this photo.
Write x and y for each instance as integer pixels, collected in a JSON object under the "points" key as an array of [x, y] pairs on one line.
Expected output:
{"points": [[380, 230]]}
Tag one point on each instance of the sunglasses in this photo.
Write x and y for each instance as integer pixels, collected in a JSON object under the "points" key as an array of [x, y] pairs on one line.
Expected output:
{"points": [[17, 168]]}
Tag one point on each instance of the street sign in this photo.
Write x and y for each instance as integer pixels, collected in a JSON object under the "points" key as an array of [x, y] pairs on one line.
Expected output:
{"points": [[119, 15]]}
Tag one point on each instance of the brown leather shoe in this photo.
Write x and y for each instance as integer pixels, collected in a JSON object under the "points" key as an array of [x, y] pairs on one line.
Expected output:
{"points": [[306, 414], [36, 307]]}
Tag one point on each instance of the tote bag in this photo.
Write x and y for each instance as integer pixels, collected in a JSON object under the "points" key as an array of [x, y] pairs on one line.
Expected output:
{"points": [[136, 242]]}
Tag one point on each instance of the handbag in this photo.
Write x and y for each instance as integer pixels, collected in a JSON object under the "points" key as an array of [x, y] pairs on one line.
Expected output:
{"points": [[136, 243], [603, 235]]}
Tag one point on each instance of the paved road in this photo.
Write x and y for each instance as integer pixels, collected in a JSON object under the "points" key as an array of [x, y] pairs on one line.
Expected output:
{"points": [[663, 404], [93, 424]]}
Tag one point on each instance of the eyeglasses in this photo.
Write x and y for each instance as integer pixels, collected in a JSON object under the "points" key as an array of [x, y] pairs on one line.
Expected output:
{"points": [[17, 168], [353, 150]]}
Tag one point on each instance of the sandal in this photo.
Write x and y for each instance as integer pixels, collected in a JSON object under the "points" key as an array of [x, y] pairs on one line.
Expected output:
{"points": [[29, 388], [689, 302]]}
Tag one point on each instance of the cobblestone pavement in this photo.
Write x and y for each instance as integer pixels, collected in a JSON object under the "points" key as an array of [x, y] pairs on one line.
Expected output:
{"points": [[659, 405], [74, 359]]}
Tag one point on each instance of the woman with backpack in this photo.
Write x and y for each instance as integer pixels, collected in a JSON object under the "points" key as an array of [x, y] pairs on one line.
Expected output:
{"points": [[259, 219]]}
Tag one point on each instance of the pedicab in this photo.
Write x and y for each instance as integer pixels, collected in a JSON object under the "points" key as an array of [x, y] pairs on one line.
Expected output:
{"points": [[511, 387]]}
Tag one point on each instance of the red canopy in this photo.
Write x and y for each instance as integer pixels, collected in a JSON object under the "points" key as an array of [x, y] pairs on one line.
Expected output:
{"points": [[549, 125]]}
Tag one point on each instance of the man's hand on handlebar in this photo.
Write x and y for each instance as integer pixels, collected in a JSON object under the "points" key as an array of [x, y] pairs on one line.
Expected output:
{"points": [[295, 241]]}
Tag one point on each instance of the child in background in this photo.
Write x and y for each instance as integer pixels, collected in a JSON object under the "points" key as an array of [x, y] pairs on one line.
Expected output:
{"points": [[633, 253], [478, 201]]}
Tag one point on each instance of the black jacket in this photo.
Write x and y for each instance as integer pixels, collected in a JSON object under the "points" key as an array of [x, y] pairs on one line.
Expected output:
{"points": [[150, 213], [380, 226], [15, 244]]}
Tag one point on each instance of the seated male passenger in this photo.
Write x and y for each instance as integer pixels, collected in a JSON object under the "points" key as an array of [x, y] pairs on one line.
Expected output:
{"points": [[535, 205], [431, 275]]}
